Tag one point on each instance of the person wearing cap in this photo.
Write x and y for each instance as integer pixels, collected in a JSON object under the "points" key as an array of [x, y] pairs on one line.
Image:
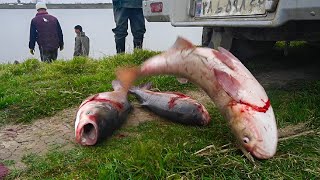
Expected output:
{"points": [[82, 42], [123, 11], [45, 29]]}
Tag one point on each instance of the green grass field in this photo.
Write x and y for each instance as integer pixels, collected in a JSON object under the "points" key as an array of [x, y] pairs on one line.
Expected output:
{"points": [[153, 150]]}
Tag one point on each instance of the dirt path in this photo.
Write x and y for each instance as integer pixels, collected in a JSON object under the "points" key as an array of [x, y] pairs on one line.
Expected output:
{"points": [[57, 132]]}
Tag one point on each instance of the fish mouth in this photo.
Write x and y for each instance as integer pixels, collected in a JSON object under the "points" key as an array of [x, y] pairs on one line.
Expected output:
{"points": [[259, 153], [88, 134]]}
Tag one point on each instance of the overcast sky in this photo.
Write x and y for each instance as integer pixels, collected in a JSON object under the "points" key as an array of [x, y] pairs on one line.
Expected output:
{"points": [[58, 1]]}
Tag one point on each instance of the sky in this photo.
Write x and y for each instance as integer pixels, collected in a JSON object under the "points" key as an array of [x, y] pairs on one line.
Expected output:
{"points": [[58, 1]]}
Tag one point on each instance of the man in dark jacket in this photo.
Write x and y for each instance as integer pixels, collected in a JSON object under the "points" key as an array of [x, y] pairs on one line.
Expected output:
{"points": [[82, 42], [123, 11], [46, 31]]}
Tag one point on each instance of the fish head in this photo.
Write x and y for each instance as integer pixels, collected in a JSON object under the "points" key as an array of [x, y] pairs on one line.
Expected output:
{"points": [[255, 131], [87, 130], [88, 123]]}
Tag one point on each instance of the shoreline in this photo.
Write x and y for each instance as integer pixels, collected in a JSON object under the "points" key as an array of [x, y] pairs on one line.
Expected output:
{"points": [[58, 6]]}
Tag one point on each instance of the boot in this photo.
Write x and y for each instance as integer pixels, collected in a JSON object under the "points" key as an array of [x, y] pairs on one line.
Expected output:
{"points": [[120, 46], [138, 44]]}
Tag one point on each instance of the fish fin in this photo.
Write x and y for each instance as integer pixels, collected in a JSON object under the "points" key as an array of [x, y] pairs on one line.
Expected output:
{"points": [[144, 104], [146, 86], [224, 58], [231, 61], [182, 43], [228, 83], [116, 85], [228, 53], [182, 80]]}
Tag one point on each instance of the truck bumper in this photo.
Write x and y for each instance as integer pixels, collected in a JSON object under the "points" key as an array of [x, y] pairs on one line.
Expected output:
{"points": [[286, 10]]}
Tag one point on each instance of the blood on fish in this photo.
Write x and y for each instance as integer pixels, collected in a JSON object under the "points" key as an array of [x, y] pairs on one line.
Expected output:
{"points": [[257, 108], [254, 107], [172, 103], [92, 117], [179, 94], [115, 104]]}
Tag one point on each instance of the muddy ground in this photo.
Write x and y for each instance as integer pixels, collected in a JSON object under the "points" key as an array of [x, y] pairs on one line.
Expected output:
{"points": [[57, 132]]}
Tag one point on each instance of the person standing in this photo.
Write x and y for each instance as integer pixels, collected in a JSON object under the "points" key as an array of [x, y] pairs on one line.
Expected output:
{"points": [[206, 36], [124, 10], [45, 29], [82, 42]]}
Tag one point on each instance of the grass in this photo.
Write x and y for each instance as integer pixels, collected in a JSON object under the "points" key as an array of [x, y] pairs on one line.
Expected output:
{"points": [[33, 89], [156, 149]]}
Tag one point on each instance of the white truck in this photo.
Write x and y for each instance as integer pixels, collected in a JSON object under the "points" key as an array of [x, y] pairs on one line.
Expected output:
{"points": [[246, 27]]}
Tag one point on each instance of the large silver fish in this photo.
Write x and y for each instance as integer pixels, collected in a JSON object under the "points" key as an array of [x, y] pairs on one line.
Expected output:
{"points": [[174, 106], [231, 86], [101, 114]]}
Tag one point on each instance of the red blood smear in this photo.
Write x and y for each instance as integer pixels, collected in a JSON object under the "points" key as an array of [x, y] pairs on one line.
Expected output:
{"points": [[172, 103], [92, 117], [4, 171], [118, 105], [257, 108]]}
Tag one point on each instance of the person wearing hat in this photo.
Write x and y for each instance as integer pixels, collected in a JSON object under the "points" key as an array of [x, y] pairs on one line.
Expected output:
{"points": [[45, 29]]}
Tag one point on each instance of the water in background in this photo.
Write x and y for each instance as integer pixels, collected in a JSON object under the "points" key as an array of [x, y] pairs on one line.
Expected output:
{"points": [[96, 23]]}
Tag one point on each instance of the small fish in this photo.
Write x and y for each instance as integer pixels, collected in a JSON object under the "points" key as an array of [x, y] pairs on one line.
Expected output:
{"points": [[101, 114], [174, 106], [235, 91]]}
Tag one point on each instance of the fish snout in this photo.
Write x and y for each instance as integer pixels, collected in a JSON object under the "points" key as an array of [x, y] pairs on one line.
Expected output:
{"points": [[87, 133], [256, 132], [266, 148]]}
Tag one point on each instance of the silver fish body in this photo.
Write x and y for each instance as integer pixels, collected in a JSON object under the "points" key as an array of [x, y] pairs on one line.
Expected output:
{"points": [[101, 114], [231, 86], [174, 106]]}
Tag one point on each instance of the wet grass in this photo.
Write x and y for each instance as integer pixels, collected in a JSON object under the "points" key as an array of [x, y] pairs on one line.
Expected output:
{"points": [[157, 149]]}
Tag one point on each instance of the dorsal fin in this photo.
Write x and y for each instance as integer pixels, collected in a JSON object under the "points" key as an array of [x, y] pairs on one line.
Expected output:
{"points": [[228, 83], [146, 86], [182, 43], [225, 59], [227, 53]]}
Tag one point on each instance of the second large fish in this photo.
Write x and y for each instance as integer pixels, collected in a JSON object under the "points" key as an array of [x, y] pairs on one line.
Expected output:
{"points": [[174, 106]]}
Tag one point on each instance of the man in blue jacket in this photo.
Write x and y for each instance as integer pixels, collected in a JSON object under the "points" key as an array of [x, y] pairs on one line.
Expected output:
{"points": [[123, 11], [46, 31]]}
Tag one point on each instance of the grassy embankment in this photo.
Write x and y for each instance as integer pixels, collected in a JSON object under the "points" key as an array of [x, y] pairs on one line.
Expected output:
{"points": [[153, 150]]}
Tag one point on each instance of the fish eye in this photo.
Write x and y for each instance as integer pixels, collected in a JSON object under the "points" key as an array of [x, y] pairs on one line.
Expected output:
{"points": [[246, 140]]}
